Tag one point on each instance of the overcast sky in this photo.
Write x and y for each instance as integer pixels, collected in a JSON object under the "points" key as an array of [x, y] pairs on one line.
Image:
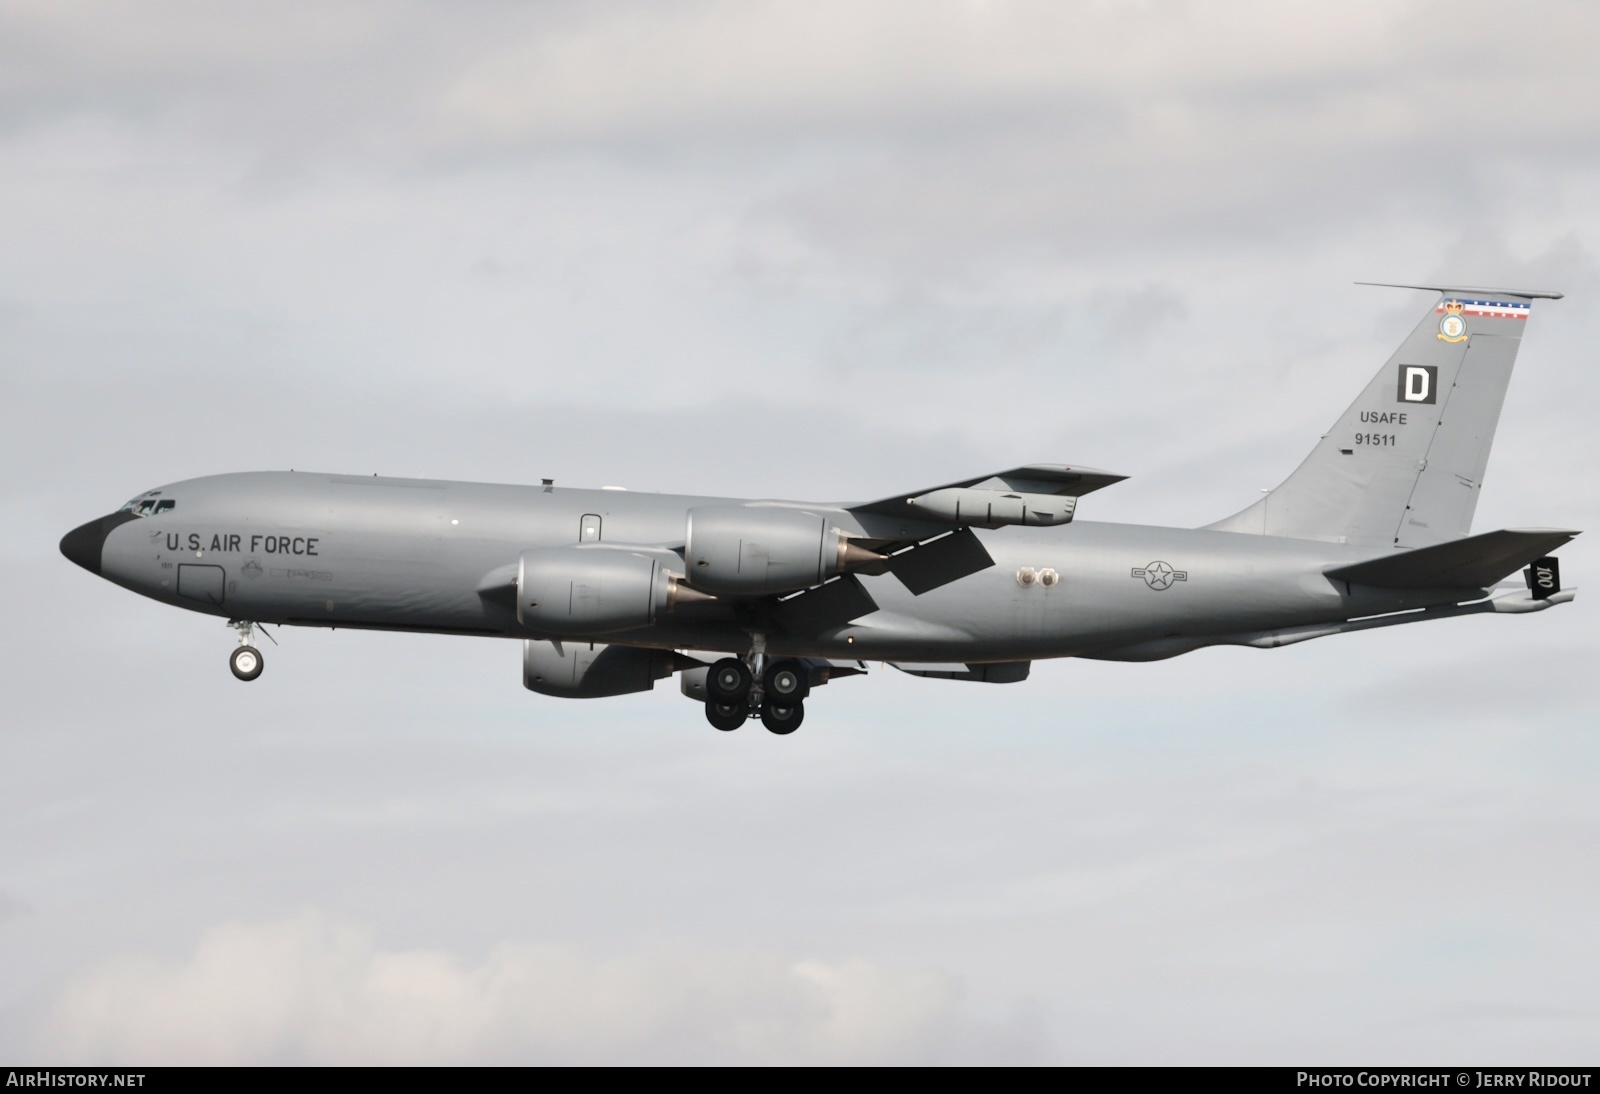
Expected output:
{"points": [[816, 250]]}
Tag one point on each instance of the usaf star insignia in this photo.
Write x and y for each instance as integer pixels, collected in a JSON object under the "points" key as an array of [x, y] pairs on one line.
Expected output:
{"points": [[1159, 575]]}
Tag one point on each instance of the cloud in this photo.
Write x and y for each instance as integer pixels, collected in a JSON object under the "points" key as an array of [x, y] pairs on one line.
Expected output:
{"points": [[311, 990], [1306, 76], [1158, 85], [12, 907]]}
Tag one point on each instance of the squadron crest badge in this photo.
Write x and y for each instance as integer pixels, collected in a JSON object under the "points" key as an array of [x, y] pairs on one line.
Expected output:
{"points": [[1453, 327]]}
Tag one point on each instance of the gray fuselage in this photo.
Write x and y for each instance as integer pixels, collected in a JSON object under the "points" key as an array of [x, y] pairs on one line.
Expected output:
{"points": [[407, 554]]}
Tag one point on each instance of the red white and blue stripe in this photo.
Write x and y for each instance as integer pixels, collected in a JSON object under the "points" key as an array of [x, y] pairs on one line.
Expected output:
{"points": [[1491, 309]]}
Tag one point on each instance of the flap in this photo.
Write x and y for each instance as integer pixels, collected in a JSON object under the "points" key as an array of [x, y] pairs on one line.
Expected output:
{"points": [[821, 608], [938, 562]]}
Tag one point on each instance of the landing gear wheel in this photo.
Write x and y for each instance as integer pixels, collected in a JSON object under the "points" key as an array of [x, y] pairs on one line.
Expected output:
{"points": [[783, 719], [729, 681], [785, 682], [246, 662], [726, 716]]}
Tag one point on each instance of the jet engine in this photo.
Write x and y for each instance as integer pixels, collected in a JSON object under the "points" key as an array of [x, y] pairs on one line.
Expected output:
{"points": [[745, 551], [592, 670], [588, 590]]}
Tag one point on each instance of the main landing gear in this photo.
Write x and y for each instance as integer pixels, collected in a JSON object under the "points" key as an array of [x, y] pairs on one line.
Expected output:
{"points": [[782, 719], [726, 716], [736, 692], [246, 661]]}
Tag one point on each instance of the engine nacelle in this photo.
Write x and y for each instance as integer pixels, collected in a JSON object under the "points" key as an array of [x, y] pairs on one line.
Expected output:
{"points": [[591, 670], [744, 551], [588, 590]]}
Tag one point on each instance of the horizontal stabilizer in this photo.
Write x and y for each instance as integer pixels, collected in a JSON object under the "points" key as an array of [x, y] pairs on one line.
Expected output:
{"points": [[1476, 562]]}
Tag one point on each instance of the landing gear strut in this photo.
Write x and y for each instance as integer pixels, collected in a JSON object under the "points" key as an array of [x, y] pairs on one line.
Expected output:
{"points": [[739, 689], [246, 661]]}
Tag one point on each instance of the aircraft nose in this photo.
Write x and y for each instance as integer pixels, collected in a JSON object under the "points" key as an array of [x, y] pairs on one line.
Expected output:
{"points": [[84, 543]]}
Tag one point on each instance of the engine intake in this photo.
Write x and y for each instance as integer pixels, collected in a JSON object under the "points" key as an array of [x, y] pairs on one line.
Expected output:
{"points": [[745, 551]]}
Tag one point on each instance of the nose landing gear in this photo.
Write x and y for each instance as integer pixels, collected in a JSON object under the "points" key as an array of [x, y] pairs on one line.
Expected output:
{"points": [[246, 661]]}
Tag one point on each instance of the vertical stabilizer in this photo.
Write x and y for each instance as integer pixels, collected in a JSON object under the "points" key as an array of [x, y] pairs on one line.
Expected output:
{"points": [[1402, 467]]}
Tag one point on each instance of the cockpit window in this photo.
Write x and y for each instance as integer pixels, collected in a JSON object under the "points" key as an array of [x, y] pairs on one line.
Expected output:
{"points": [[148, 505]]}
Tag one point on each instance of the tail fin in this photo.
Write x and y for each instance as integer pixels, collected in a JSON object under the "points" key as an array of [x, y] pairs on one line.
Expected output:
{"points": [[1402, 467]]}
